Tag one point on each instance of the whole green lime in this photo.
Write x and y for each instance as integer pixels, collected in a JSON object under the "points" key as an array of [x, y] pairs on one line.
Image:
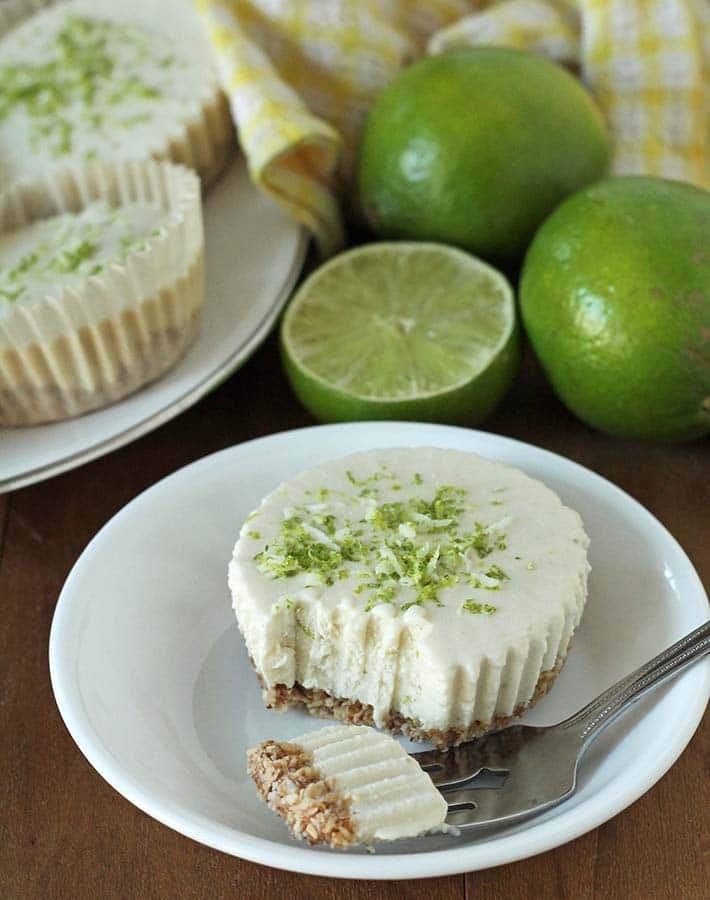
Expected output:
{"points": [[475, 147], [615, 297]]}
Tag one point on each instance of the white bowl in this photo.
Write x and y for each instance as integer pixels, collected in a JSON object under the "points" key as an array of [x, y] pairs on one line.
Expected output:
{"points": [[154, 684]]}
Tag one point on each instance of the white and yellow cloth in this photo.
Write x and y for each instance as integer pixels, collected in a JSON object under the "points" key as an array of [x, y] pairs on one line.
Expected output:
{"points": [[301, 75]]}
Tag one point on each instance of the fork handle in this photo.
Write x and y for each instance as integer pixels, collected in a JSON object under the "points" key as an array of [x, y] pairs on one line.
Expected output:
{"points": [[595, 716]]}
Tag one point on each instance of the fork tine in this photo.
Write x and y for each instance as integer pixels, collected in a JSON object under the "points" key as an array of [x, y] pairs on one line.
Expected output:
{"points": [[478, 779], [516, 798], [503, 776], [443, 779], [461, 764], [450, 767], [470, 808]]}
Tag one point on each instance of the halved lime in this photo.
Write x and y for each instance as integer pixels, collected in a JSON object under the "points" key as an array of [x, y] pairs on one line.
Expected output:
{"points": [[402, 331]]}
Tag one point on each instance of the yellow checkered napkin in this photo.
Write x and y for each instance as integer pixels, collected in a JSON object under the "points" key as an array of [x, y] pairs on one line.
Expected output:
{"points": [[301, 75]]}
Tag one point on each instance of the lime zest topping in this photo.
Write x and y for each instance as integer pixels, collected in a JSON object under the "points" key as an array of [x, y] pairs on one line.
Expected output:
{"points": [[305, 546], [10, 284], [384, 594], [444, 508], [369, 482], [416, 548], [80, 82], [291, 604], [486, 539], [81, 244], [490, 580], [473, 606], [388, 516], [255, 535], [370, 479], [309, 633], [70, 259]]}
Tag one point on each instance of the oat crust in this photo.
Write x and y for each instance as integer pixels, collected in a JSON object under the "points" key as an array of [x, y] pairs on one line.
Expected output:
{"points": [[293, 787]]}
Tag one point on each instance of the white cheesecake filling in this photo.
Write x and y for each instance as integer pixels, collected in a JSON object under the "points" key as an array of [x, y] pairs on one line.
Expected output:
{"points": [[428, 582], [390, 796], [61, 252], [98, 80]]}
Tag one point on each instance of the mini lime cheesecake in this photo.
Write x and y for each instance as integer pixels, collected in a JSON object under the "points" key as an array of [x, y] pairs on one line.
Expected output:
{"points": [[88, 80], [101, 285], [426, 591]]}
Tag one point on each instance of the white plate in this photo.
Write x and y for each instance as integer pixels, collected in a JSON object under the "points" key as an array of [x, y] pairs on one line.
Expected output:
{"points": [[153, 681], [254, 253]]}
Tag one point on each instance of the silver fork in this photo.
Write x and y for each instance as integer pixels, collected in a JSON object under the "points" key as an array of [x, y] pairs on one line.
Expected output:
{"points": [[524, 769]]}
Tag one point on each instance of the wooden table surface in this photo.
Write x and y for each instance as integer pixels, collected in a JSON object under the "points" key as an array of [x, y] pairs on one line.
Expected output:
{"points": [[64, 833]]}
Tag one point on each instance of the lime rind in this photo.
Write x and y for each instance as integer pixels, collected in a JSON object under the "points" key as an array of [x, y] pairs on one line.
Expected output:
{"points": [[468, 405], [475, 147], [614, 298]]}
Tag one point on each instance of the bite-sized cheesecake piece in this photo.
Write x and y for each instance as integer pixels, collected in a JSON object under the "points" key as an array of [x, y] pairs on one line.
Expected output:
{"points": [[346, 785], [85, 80], [101, 285], [424, 590]]}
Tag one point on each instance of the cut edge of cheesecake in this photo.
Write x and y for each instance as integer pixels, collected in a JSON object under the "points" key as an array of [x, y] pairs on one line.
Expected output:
{"points": [[311, 806], [343, 785], [323, 705]]}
